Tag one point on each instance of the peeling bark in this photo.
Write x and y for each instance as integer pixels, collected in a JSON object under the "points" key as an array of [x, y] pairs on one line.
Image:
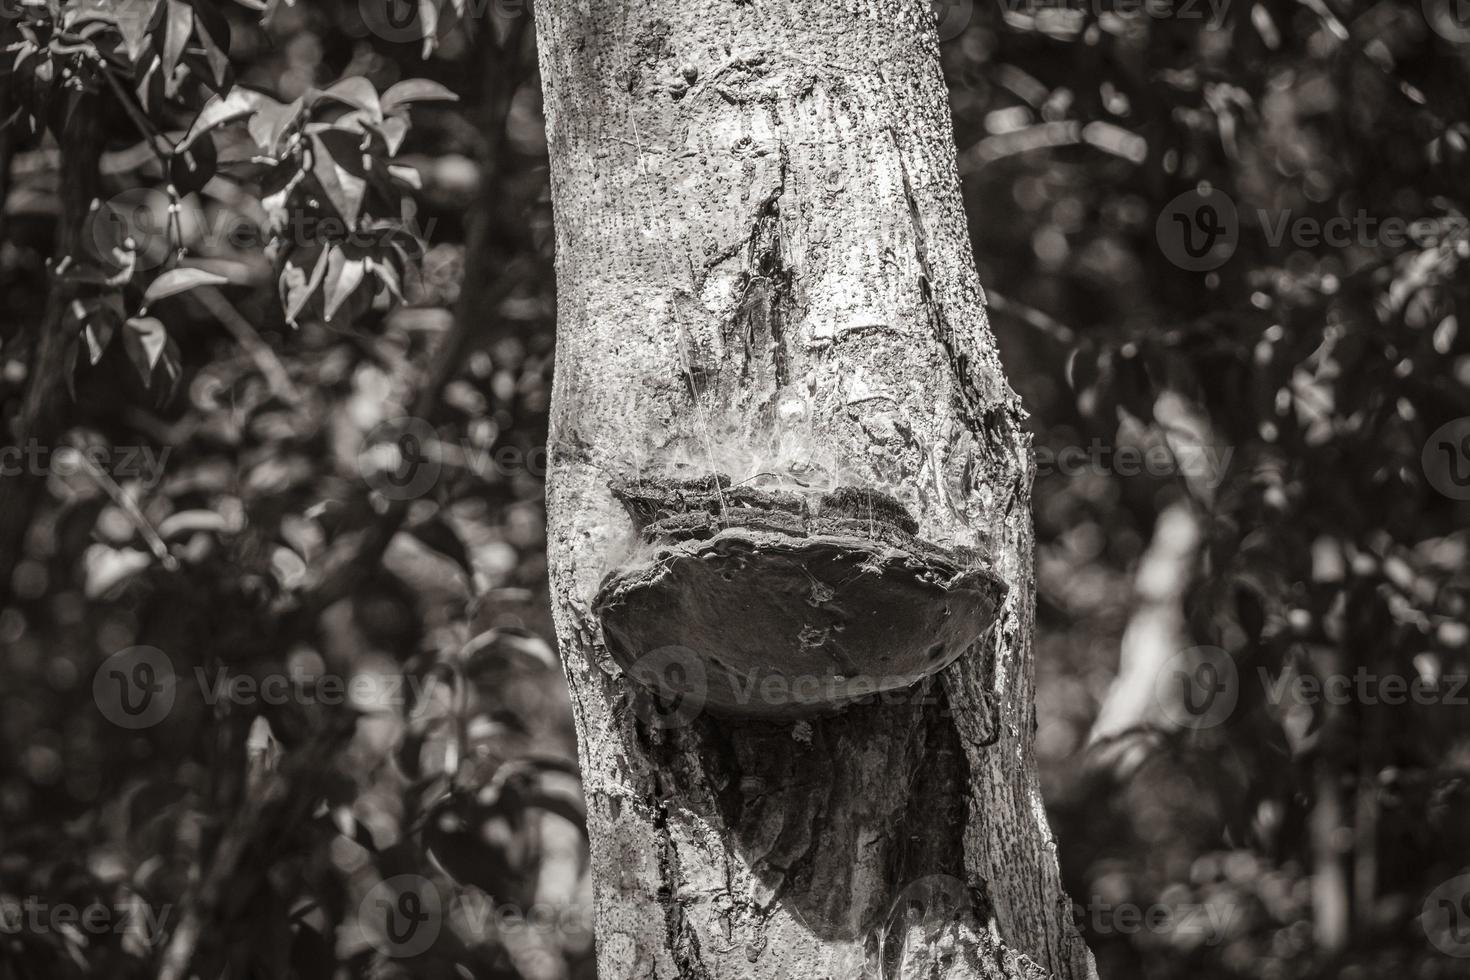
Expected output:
{"points": [[763, 271]]}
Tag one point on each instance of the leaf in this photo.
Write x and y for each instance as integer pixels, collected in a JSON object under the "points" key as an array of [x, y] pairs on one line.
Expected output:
{"points": [[270, 122], [135, 19], [344, 276], [438, 534], [214, 35], [148, 87], [334, 167], [176, 281], [96, 319], [184, 522], [240, 103], [106, 567], [409, 175], [191, 169], [144, 339], [180, 23], [398, 97], [393, 131], [298, 283], [345, 822], [429, 16], [357, 92], [173, 372], [98, 334], [383, 270]]}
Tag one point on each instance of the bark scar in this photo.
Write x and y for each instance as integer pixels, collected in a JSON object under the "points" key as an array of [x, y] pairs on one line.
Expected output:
{"points": [[767, 297], [994, 419]]}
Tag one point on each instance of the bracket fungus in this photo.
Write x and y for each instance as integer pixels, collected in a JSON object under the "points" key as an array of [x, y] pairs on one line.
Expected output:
{"points": [[782, 604]]}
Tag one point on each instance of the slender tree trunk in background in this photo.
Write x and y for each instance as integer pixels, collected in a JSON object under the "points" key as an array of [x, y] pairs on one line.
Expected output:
{"points": [[1157, 632], [710, 158]]}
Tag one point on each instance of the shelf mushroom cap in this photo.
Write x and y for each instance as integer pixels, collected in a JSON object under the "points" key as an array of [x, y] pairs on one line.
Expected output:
{"points": [[779, 618]]}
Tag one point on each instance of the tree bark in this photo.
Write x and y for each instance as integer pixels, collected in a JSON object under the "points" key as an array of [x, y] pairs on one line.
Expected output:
{"points": [[763, 268]]}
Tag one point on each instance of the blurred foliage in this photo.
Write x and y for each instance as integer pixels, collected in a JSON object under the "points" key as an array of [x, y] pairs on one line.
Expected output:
{"points": [[1323, 370], [284, 268]]}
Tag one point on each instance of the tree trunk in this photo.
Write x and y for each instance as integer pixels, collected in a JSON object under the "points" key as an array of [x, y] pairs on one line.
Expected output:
{"points": [[763, 270]]}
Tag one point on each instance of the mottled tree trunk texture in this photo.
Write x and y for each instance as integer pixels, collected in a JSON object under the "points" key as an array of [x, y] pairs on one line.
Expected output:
{"points": [[763, 271]]}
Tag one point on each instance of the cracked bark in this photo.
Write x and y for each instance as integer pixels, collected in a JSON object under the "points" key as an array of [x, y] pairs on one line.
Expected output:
{"points": [[763, 268]]}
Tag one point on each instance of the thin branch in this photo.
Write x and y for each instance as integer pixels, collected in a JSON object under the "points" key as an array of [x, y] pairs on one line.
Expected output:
{"points": [[270, 366], [1032, 317]]}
